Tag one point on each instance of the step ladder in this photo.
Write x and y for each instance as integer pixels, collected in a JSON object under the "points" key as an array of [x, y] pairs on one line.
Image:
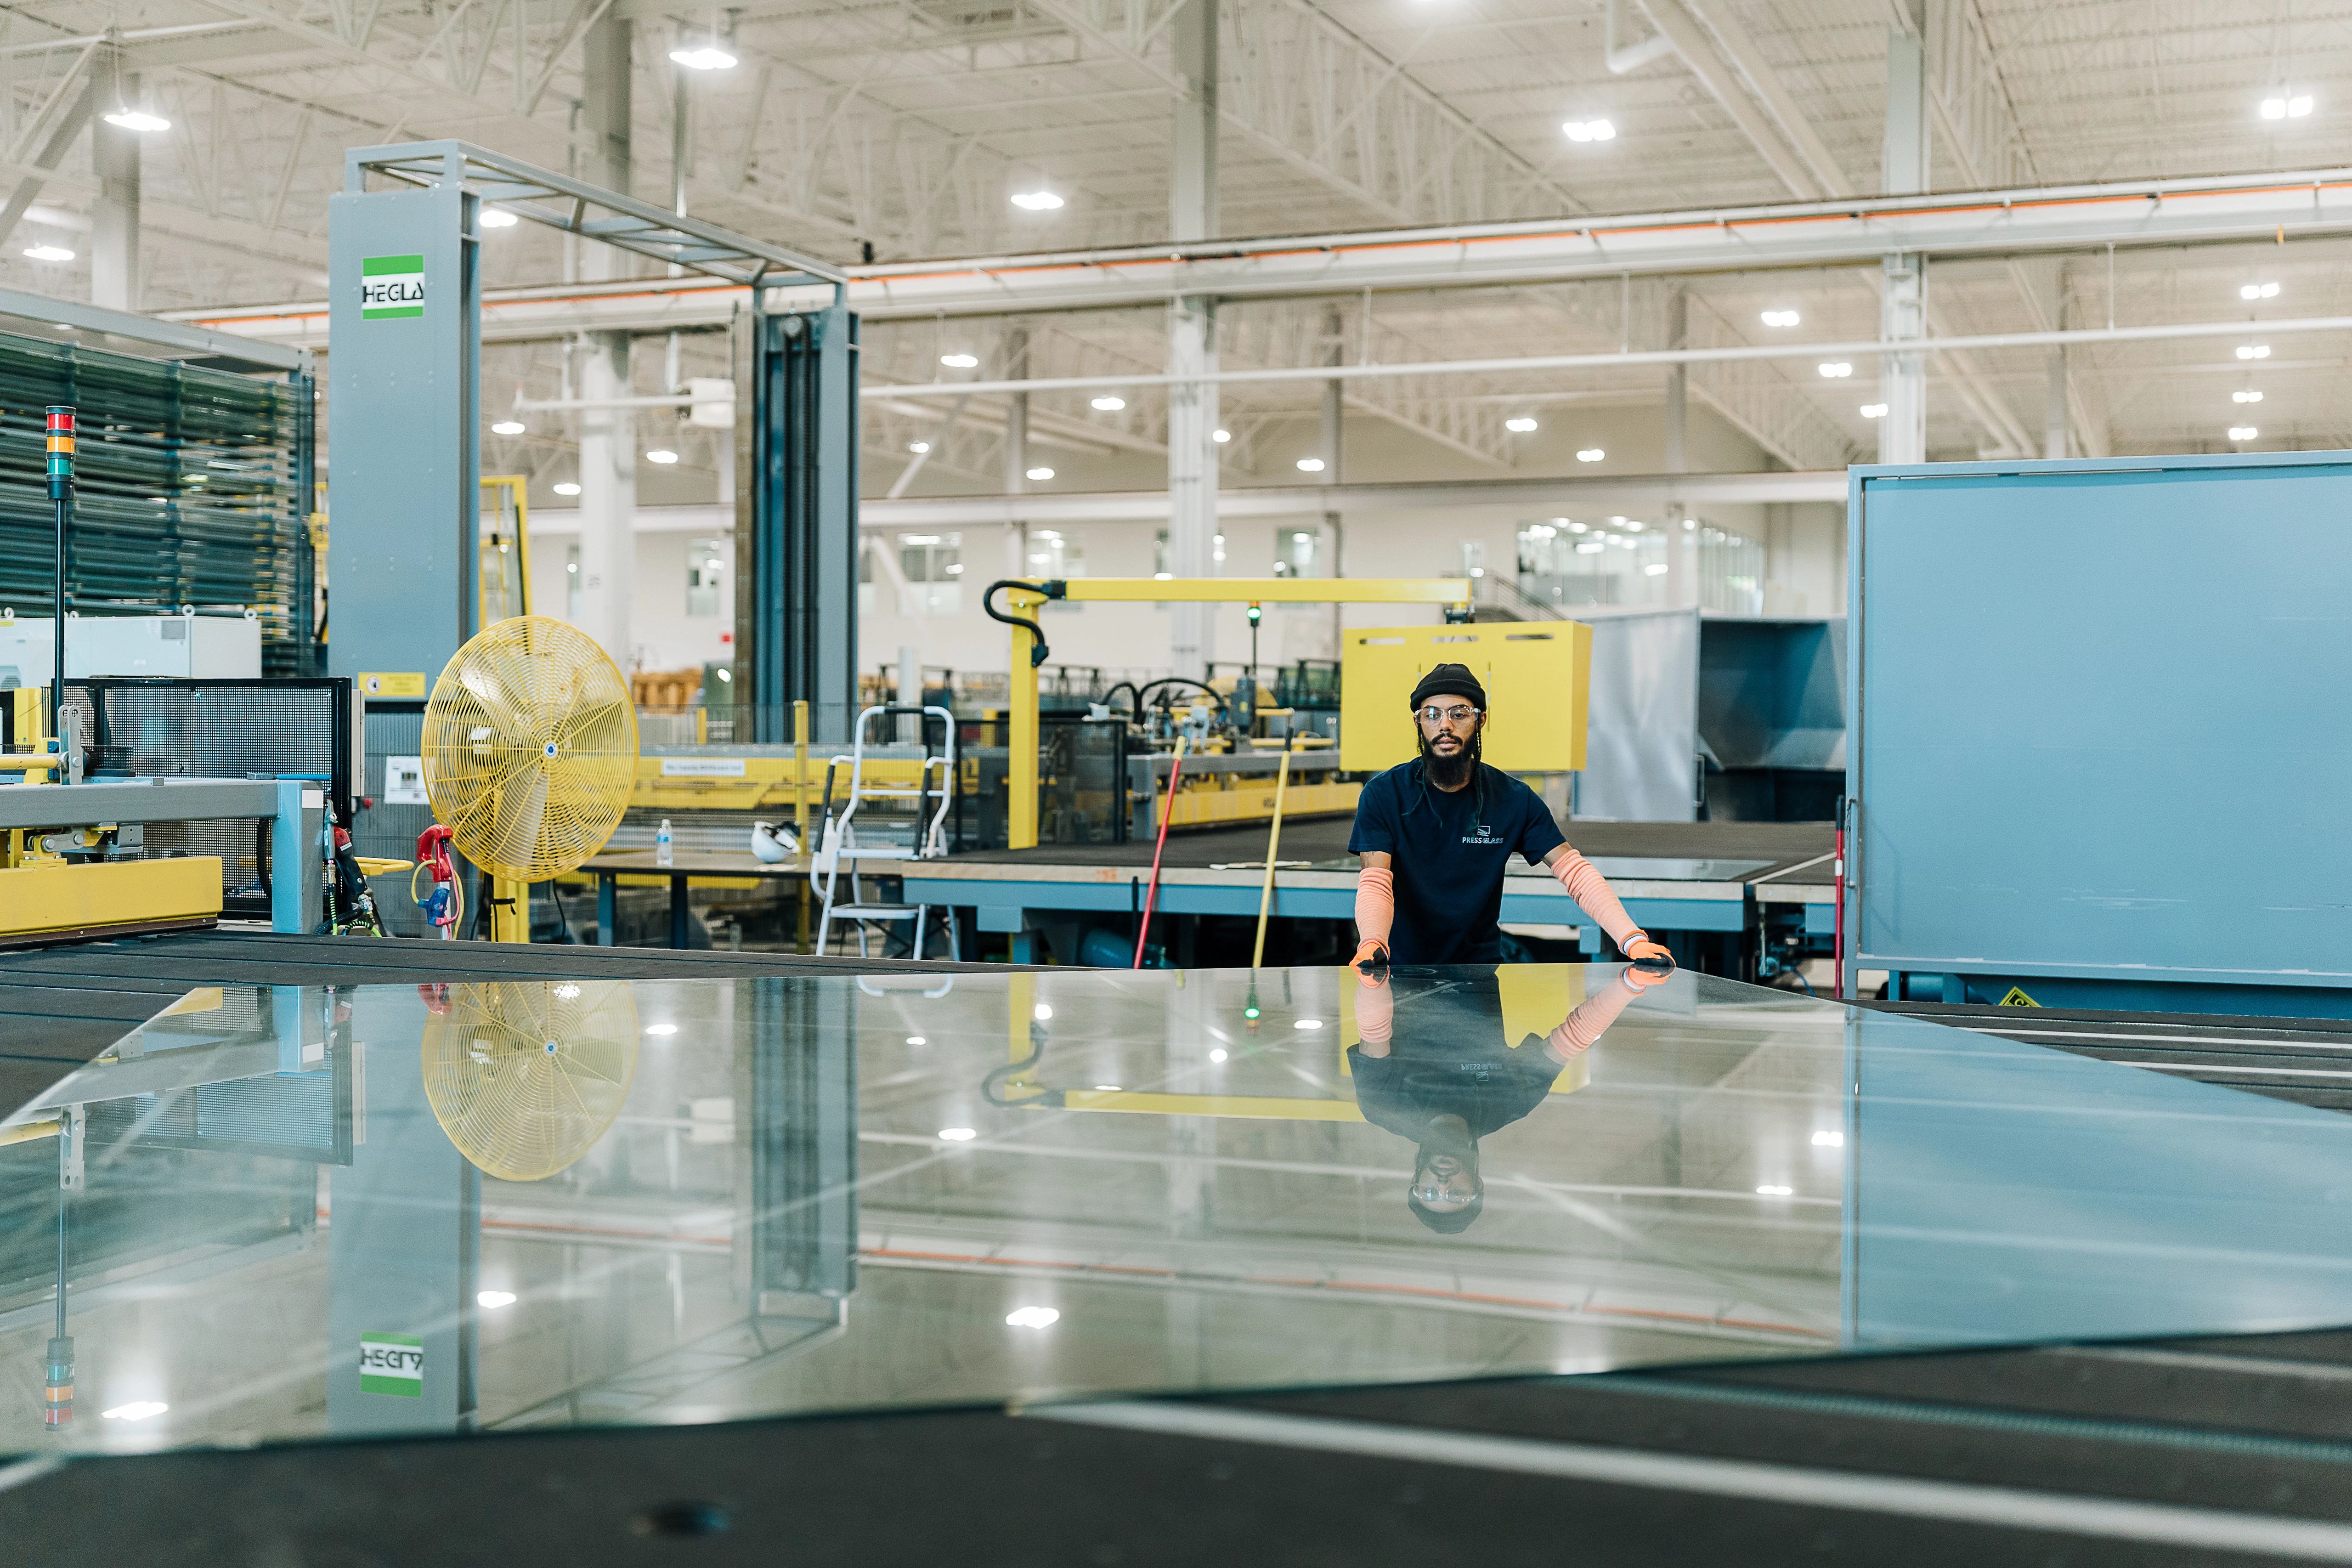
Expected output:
{"points": [[915, 829]]}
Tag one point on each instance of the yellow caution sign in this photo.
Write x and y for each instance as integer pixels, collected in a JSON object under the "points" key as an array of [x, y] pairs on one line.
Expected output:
{"points": [[2017, 998], [409, 683]]}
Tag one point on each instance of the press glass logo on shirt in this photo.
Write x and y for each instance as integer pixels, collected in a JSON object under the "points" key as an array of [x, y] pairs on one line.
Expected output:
{"points": [[391, 286], [1481, 833]]}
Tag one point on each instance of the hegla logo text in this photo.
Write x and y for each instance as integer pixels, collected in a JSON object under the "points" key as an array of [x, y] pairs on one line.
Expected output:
{"points": [[391, 286]]}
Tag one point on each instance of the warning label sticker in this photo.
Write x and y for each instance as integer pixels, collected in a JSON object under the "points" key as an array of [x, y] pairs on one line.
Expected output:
{"points": [[390, 286], [391, 1363], [702, 767], [2017, 998]]}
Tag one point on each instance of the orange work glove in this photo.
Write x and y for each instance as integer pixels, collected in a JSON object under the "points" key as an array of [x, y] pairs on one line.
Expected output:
{"points": [[1640, 949], [1371, 963]]}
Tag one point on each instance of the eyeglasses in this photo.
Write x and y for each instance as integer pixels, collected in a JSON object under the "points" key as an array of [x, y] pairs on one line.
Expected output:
{"points": [[1433, 714]]}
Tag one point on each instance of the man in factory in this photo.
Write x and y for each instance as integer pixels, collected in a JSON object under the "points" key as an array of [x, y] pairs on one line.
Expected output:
{"points": [[1436, 835]]}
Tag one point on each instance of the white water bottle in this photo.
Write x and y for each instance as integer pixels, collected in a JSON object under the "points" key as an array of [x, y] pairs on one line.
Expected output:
{"points": [[662, 843]]}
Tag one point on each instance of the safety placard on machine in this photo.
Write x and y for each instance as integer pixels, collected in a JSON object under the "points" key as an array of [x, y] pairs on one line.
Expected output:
{"points": [[404, 782], [702, 767], [391, 1363]]}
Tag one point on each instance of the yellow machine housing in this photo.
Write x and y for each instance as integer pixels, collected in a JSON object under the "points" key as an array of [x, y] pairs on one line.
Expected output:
{"points": [[1537, 678], [60, 898]]}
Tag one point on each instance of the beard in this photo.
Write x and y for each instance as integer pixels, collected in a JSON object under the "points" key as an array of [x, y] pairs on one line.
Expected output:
{"points": [[1449, 773]]}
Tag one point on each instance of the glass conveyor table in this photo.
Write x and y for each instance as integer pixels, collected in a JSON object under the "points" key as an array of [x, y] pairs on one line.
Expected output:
{"points": [[286, 1213]]}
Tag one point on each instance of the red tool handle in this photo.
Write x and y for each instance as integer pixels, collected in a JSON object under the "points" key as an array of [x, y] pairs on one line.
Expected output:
{"points": [[1151, 893]]}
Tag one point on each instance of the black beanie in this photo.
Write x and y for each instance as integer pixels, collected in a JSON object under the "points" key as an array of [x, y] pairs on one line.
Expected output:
{"points": [[1453, 680]]}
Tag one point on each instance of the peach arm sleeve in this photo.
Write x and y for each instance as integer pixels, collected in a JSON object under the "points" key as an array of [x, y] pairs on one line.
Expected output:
{"points": [[1592, 894], [1581, 1027], [1375, 904]]}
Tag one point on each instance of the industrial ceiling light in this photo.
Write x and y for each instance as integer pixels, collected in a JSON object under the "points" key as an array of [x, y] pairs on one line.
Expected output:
{"points": [[960, 362], [1221, 436], [1041, 474], [491, 1300], [138, 120], [1874, 411], [567, 489], [498, 217], [1038, 201], [2246, 394], [2243, 432], [2284, 106], [1521, 425], [703, 55], [661, 454], [51, 253], [1032, 1318], [507, 427], [1591, 455], [137, 1410], [2245, 350], [958, 1135], [1836, 369], [1310, 465], [1108, 404], [918, 448], [1588, 130], [1780, 318], [2258, 291]]}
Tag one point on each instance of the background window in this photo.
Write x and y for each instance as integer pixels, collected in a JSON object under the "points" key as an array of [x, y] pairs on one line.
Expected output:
{"points": [[705, 575]]}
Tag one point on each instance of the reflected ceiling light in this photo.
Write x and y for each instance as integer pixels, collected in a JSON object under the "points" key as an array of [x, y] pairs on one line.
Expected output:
{"points": [[1654, 569], [1306, 1023], [494, 1300], [1836, 369], [957, 1134], [661, 1030], [1780, 318], [1591, 455], [1218, 1055], [137, 1410], [1221, 436], [2258, 291], [1874, 411], [703, 56], [1521, 425], [1310, 465], [138, 120], [918, 448], [567, 488], [2245, 350], [1036, 201], [1829, 1140], [1770, 1189], [662, 455], [1588, 130], [1032, 1318], [1576, 527], [960, 362], [2243, 432], [507, 427], [916, 1040], [48, 253], [1109, 403], [498, 217], [1106, 1088], [2284, 106], [1041, 473], [2246, 396], [1044, 1012]]}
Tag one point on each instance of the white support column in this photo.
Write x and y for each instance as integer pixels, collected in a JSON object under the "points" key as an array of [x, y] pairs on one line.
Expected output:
{"points": [[1903, 302], [1682, 535], [608, 436], [2053, 407], [1193, 338], [114, 216], [1332, 447], [1016, 447]]}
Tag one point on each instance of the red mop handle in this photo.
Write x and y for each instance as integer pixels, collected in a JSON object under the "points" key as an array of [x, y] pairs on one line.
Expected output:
{"points": [[1152, 892]]}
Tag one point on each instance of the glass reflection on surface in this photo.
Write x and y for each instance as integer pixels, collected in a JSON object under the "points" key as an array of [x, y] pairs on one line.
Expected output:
{"points": [[307, 1213]]}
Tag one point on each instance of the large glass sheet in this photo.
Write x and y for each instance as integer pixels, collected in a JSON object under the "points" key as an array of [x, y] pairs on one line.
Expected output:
{"points": [[293, 1214]]}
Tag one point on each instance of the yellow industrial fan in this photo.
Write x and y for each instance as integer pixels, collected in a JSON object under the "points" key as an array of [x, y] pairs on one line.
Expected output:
{"points": [[531, 752], [526, 1075]]}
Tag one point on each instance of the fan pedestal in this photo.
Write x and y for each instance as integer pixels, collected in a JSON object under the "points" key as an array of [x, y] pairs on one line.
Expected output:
{"points": [[510, 910]]}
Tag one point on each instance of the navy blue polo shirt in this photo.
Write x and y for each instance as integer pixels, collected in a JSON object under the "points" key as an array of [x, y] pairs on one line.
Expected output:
{"points": [[1449, 850]]}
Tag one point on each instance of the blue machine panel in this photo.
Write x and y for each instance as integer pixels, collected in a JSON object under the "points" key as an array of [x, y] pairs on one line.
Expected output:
{"points": [[2098, 728]]}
